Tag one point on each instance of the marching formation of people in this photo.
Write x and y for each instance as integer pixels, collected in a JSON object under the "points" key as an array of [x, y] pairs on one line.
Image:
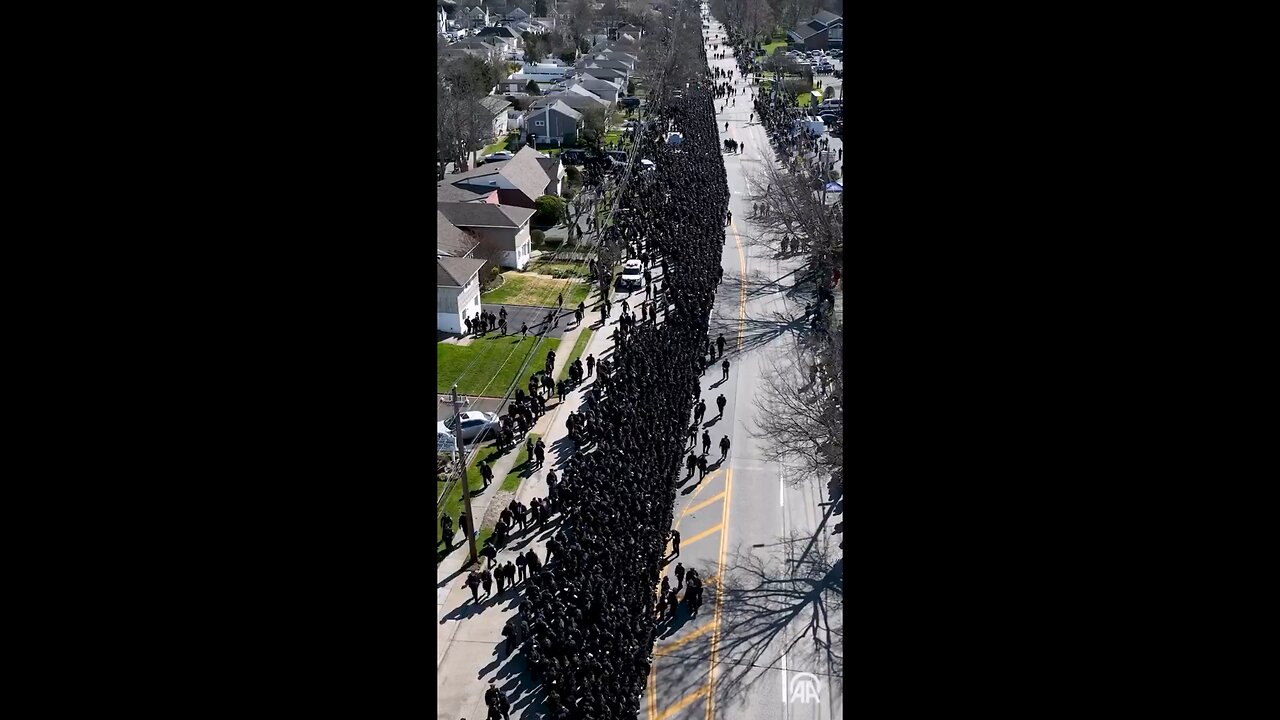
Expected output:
{"points": [[587, 626]]}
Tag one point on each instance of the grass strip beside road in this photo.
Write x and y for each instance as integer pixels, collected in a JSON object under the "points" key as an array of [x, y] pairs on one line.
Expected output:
{"points": [[453, 504], [584, 338], [513, 478], [489, 364]]}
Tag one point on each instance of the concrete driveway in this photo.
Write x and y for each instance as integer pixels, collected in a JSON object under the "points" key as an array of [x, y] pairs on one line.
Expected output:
{"points": [[533, 316]]}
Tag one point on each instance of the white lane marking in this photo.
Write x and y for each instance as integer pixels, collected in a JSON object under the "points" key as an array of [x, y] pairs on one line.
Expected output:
{"points": [[784, 678]]}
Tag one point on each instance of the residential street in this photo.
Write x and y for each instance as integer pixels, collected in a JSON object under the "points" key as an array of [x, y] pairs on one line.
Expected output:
{"points": [[757, 638], [767, 643]]}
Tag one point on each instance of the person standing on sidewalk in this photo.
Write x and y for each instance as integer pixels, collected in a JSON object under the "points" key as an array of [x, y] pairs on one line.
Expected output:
{"points": [[486, 580], [521, 564], [720, 403], [679, 576], [675, 543], [591, 364], [473, 582], [706, 442], [724, 447], [486, 472], [446, 529], [725, 366]]}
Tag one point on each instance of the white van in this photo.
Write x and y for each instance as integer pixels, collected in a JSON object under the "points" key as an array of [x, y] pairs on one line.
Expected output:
{"points": [[832, 104]]}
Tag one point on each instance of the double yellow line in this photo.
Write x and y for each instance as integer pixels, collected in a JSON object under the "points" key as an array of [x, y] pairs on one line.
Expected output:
{"points": [[708, 691], [715, 634]]}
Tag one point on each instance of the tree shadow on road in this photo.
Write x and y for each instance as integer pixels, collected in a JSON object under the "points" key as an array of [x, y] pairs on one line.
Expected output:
{"points": [[766, 591], [761, 330]]}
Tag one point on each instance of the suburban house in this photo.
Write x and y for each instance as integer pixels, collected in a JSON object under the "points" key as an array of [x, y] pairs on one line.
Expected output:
{"points": [[515, 119], [621, 66], [457, 292], [476, 17], [497, 109], [448, 192], [555, 173], [592, 87], [613, 76], [477, 48], [824, 30], [634, 31], [519, 181], [514, 88], [574, 100], [453, 241], [554, 124], [503, 230], [516, 15], [509, 38], [541, 72]]}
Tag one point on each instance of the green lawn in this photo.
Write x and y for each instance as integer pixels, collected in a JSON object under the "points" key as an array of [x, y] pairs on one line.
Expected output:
{"points": [[584, 338], [772, 47], [454, 503], [526, 289], [520, 469], [561, 269], [804, 99], [501, 144], [489, 364]]}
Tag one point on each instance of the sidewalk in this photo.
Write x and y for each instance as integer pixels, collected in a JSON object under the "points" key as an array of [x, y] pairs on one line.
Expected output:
{"points": [[468, 636]]}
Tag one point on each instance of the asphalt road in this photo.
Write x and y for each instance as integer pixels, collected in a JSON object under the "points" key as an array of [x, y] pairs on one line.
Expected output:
{"points": [[768, 643]]}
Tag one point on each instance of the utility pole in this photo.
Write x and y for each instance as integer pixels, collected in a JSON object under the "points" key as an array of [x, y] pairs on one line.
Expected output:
{"points": [[462, 461]]}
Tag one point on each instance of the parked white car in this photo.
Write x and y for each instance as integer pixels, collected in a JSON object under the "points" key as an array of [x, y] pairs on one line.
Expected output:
{"points": [[632, 274], [499, 156], [474, 424]]}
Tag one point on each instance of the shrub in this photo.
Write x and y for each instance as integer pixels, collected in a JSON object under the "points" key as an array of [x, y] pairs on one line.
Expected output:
{"points": [[550, 209], [574, 176], [490, 280], [537, 236]]}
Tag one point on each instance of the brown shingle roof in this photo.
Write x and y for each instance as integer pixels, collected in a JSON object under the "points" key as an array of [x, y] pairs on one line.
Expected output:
{"points": [[522, 171], [452, 240], [456, 272], [466, 215]]}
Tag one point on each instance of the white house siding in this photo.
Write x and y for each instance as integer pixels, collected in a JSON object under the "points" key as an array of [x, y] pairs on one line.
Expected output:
{"points": [[454, 305]]}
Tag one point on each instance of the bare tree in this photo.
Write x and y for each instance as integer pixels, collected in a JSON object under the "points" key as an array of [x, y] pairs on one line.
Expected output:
{"points": [[755, 19], [784, 205]]}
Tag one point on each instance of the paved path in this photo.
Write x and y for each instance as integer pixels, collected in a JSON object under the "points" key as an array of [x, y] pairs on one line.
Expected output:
{"points": [[469, 635]]}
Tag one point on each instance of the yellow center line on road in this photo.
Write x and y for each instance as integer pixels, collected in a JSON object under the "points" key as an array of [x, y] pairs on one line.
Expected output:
{"points": [[715, 638], [653, 666], [704, 503], [681, 641], [684, 702], [699, 536]]}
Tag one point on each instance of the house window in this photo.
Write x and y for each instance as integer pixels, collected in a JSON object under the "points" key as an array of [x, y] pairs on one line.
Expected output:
{"points": [[537, 123]]}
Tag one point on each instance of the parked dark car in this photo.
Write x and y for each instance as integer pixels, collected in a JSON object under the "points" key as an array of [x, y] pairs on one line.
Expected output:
{"points": [[630, 102], [838, 73]]}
